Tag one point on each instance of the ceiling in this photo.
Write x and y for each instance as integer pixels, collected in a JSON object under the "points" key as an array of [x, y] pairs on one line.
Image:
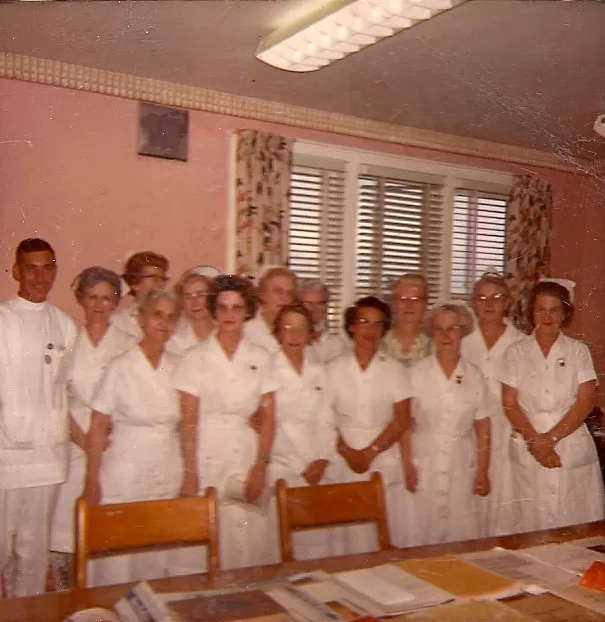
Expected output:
{"points": [[523, 72]]}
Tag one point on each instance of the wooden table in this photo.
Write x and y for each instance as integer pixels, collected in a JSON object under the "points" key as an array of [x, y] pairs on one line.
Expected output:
{"points": [[55, 606]]}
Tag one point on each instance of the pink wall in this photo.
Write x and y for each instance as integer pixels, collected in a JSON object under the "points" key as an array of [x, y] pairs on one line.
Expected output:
{"points": [[69, 173]]}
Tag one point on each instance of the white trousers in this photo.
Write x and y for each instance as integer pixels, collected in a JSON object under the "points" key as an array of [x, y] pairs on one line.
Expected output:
{"points": [[25, 515]]}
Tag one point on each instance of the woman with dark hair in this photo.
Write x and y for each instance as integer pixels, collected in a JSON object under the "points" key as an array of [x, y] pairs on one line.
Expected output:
{"points": [[222, 382], [143, 272], [98, 292], [305, 436], [136, 403], [549, 388], [485, 348], [448, 469], [370, 394]]}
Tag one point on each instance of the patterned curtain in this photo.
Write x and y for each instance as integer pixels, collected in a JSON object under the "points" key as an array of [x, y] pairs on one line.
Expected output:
{"points": [[263, 167], [527, 241]]}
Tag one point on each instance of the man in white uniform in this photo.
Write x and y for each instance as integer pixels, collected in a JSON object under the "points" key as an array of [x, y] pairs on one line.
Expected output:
{"points": [[34, 336]]}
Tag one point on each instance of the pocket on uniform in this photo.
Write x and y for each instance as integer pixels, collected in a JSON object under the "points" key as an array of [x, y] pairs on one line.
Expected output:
{"points": [[577, 450], [518, 450]]}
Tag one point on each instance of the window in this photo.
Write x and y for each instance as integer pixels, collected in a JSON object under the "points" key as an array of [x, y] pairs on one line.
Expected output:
{"points": [[478, 237], [398, 230], [359, 220], [316, 229]]}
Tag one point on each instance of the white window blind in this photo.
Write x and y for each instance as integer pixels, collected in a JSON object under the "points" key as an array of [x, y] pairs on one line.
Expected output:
{"points": [[316, 229], [478, 237], [399, 230]]}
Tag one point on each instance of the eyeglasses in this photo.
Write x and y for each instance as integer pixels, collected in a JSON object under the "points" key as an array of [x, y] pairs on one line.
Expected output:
{"points": [[295, 329], [492, 298], [104, 300], [314, 303], [195, 295], [363, 323], [447, 330], [282, 292], [410, 299], [223, 308], [156, 277]]}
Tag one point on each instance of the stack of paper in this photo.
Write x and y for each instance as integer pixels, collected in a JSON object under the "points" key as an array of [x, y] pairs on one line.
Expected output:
{"points": [[463, 580], [388, 590]]}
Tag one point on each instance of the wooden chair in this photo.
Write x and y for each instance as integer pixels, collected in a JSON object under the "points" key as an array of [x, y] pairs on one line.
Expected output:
{"points": [[124, 526], [309, 507]]}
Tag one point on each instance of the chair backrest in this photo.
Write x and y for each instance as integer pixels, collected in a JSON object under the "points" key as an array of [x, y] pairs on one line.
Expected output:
{"points": [[309, 507], [123, 526]]}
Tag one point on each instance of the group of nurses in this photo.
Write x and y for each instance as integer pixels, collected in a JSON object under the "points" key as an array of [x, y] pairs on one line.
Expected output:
{"points": [[239, 396]]}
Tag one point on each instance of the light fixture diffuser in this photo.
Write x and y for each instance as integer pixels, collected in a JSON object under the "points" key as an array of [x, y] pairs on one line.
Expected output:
{"points": [[342, 27]]}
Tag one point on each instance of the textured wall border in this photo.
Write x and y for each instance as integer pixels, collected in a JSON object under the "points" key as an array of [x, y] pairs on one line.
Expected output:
{"points": [[77, 77]]}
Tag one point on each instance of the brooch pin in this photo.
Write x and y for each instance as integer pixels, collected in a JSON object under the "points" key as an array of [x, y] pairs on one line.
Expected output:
{"points": [[561, 362], [458, 379]]}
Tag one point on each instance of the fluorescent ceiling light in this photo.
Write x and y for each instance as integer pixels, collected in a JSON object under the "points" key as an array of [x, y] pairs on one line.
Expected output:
{"points": [[342, 27]]}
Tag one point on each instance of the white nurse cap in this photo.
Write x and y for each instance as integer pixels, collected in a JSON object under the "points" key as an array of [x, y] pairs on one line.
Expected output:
{"points": [[566, 283], [209, 272]]}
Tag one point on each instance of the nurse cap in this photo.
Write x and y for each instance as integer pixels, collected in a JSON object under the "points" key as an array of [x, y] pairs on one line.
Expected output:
{"points": [[209, 272], [566, 283]]}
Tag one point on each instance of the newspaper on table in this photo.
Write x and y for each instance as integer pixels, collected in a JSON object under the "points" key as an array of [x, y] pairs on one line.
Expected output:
{"points": [[517, 567], [573, 558]]}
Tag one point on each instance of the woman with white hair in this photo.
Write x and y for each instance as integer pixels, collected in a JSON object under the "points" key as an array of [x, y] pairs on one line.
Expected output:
{"points": [[136, 403], [485, 347], [450, 450], [549, 388], [98, 291], [406, 341], [315, 297], [195, 323]]}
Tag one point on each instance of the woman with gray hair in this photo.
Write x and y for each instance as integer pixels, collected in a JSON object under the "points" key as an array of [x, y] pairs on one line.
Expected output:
{"points": [[315, 297], [448, 463], [98, 291], [137, 404], [485, 348]]}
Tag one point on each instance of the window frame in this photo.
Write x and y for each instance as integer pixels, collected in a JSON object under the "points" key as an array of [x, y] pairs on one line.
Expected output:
{"points": [[356, 162]]}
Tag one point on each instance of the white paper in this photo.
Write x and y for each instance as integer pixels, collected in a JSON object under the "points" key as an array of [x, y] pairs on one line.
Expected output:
{"points": [[371, 583], [301, 606], [567, 556], [529, 572], [399, 590]]}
